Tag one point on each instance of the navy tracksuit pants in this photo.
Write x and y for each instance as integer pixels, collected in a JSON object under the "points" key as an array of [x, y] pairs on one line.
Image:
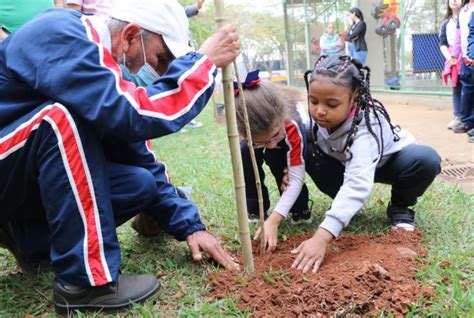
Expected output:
{"points": [[277, 160], [64, 197], [409, 171]]}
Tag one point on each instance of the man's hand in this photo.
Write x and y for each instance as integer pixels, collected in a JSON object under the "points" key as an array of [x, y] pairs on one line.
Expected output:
{"points": [[271, 231], [311, 252], [223, 47], [203, 241]]}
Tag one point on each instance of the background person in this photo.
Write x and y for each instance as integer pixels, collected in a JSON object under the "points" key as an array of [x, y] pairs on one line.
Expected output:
{"points": [[450, 47], [330, 42], [356, 35], [193, 10], [466, 26], [15, 13], [99, 8]]}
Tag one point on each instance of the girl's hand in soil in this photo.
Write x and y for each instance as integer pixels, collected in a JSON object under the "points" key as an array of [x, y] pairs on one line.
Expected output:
{"points": [[311, 252], [271, 231]]}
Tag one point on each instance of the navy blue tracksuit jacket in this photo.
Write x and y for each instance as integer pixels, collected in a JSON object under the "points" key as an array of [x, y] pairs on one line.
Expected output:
{"points": [[74, 161]]}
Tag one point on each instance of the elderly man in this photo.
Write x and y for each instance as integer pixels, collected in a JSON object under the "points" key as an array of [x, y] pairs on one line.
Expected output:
{"points": [[74, 162]]}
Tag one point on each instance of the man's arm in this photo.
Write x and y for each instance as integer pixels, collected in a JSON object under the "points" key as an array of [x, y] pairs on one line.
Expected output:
{"points": [[85, 78], [174, 214]]}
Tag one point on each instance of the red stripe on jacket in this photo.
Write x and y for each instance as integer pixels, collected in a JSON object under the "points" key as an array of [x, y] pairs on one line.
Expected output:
{"points": [[79, 178], [166, 104], [295, 143]]}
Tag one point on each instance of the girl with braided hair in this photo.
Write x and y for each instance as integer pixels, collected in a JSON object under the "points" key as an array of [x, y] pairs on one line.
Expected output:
{"points": [[352, 144]]}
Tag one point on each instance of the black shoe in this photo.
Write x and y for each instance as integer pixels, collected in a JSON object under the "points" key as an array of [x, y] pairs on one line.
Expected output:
{"points": [[302, 217], [401, 217], [26, 266], [111, 297], [255, 217]]}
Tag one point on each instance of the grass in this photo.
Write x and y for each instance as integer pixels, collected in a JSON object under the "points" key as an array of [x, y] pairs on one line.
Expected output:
{"points": [[200, 158]]}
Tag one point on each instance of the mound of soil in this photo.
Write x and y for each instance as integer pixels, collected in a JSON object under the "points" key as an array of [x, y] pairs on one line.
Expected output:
{"points": [[360, 276]]}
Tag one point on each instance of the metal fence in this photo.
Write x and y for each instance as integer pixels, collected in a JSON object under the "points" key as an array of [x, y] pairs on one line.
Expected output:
{"points": [[421, 62], [406, 54]]}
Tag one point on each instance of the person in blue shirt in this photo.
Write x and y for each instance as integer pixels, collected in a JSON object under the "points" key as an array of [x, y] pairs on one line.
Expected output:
{"points": [[330, 42]]}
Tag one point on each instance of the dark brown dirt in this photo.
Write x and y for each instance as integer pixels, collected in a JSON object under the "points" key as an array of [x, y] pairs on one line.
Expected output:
{"points": [[360, 276]]}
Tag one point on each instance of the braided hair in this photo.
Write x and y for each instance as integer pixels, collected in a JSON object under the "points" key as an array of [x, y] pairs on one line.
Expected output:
{"points": [[345, 71]]}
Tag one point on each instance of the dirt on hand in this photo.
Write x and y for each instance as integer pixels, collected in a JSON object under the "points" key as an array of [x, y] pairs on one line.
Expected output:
{"points": [[360, 276]]}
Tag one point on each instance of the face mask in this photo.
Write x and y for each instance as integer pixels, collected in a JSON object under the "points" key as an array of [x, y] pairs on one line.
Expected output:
{"points": [[145, 76]]}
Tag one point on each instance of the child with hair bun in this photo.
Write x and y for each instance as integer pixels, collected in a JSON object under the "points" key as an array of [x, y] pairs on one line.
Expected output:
{"points": [[279, 141]]}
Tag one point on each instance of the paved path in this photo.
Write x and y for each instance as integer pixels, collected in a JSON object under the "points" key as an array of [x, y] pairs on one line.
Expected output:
{"points": [[427, 121]]}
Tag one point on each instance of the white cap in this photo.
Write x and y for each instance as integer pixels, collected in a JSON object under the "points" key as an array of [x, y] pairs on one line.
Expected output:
{"points": [[165, 17]]}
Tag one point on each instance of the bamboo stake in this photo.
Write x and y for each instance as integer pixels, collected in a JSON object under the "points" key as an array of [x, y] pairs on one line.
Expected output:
{"points": [[258, 183], [233, 136]]}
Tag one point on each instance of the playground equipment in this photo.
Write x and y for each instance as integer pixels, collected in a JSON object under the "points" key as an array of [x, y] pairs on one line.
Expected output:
{"points": [[386, 12], [401, 36]]}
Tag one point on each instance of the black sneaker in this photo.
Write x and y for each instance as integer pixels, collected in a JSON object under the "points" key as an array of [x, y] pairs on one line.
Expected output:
{"points": [[26, 266], [302, 217], [401, 217], [255, 217], [111, 297]]}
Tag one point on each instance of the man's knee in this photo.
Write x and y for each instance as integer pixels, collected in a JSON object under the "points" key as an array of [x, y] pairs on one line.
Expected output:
{"points": [[145, 185]]}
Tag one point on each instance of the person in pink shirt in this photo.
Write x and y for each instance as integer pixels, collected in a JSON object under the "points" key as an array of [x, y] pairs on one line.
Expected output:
{"points": [[99, 8], [450, 46]]}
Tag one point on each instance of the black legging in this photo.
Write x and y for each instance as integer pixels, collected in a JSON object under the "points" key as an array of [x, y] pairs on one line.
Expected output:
{"points": [[276, 159]]}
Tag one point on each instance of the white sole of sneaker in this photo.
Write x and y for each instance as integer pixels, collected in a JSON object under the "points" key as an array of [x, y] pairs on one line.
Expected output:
{"points": [[308, 221], [404, 226]]}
